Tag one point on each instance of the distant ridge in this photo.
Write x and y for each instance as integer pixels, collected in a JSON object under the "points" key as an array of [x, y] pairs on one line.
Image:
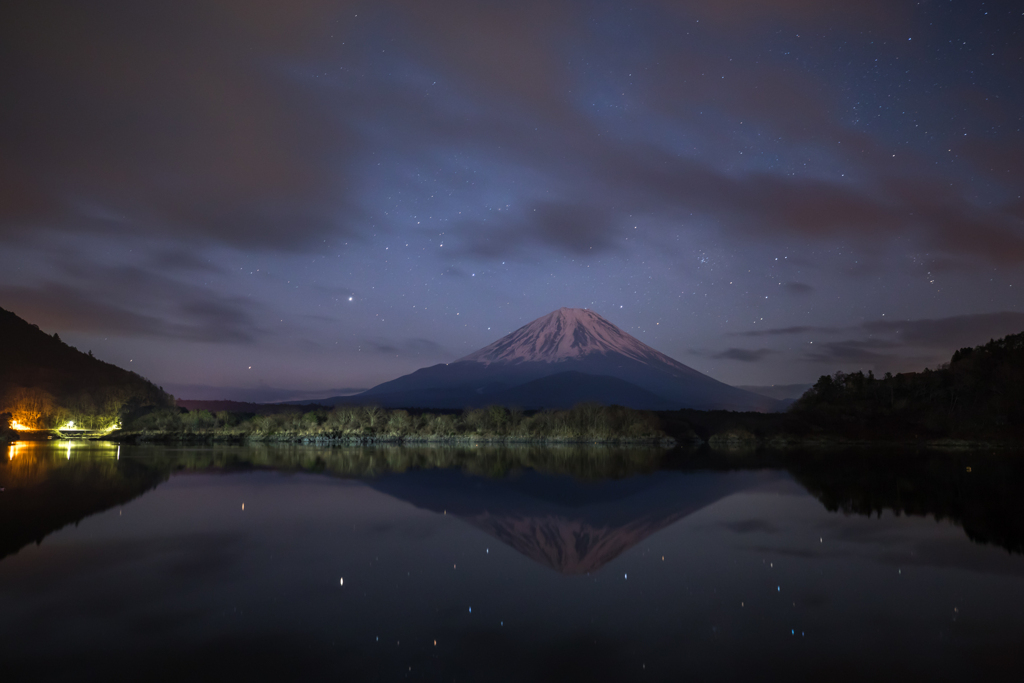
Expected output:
{"points": [[568, 356], [216, 406], [781, 392]]}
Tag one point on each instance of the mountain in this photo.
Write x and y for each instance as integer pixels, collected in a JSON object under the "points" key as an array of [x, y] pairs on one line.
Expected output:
{"points": [[567, 389], [44, 382], [569, 356]]}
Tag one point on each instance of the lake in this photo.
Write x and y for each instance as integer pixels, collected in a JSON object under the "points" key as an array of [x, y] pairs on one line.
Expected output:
{"points": [[124, 562]]}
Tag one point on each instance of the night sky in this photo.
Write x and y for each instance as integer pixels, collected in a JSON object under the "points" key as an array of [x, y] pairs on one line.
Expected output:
{"points": [[270, 200]]}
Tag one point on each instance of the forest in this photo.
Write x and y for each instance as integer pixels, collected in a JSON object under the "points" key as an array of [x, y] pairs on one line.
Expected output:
{"points": [[979, 394], [45, 383]]}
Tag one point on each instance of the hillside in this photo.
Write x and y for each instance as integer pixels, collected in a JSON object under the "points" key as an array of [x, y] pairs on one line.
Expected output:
{"points": [[45, 383], [978, 394]]}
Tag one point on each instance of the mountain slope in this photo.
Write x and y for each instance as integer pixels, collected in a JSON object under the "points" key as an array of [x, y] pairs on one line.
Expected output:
{"points": [[567, 389], [570, 334], [622, 370], [44, 382]]}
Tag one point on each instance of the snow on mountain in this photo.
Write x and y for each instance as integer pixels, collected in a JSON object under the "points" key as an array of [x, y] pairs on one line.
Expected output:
{"points": [[568, 334], [566, 357]]}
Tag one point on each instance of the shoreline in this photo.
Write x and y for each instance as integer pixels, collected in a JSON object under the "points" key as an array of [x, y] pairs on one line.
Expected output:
{"points": [[389, 440], [726, 443]]}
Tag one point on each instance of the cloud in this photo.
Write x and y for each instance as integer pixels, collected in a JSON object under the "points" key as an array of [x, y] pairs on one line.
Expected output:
{"points": [[766, 205], [639, 180], [891, 345], [170, 121], [574, 229], [61, 308], [744, 355], [269, 140], [853, 351], [183, 260], [871, 13], [937, 333], [134, 302], [952, 332], [783, 331]]}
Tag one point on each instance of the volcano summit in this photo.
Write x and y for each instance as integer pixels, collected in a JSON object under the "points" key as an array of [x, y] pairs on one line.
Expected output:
{"points": [[566, 357]]}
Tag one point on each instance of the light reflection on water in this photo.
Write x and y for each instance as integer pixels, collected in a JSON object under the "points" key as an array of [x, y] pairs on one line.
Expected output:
{"points": [[185, 562]]}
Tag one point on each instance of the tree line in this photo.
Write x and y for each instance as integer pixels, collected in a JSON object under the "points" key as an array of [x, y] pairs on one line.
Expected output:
{"points": [[978, 394], [585, 422]]}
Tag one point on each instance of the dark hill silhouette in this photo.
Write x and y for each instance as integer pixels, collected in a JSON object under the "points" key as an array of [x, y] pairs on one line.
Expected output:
{"points": [[216, 406], [978, 394], [45, 382]]}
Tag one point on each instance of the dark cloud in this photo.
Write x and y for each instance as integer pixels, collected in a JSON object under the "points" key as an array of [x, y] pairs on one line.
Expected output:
{"points": [[769, 206], [938, 333], [509, 53], [647, 181], [1015, 209], [894, 345], [872, 13], [782, 331], [952, 332], [180, 259], [870, 351], [172, 120], [247, 136], [59, 308], [134, 302], [572, 229], [745, 355]]}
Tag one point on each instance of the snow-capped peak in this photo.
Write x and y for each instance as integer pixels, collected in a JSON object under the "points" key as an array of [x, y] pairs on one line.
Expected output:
{"points": [[565, 334]]}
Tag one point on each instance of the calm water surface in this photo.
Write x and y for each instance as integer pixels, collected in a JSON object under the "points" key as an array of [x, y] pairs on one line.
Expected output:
{"points": [[302, 563]]}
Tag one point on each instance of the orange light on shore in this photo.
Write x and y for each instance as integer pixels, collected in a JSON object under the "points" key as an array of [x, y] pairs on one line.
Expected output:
{"points": [[17, 425]]}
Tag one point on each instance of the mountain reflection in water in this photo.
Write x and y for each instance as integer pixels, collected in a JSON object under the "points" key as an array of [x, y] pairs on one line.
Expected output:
{"points": [[573, 508], [306, 563], [572, 527]]}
